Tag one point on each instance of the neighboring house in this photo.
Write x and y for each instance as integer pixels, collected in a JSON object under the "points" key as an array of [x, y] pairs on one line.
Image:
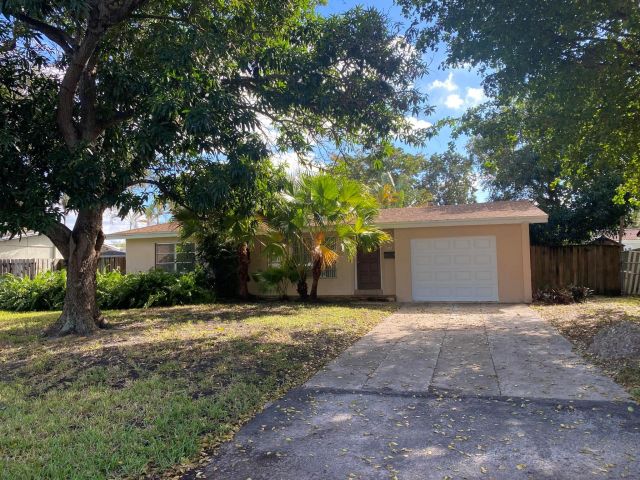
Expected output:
{"points": [[109, 251], [34, 245], [29, 246], [604, 240], [631, 238], [156, 246], [477, 253]]}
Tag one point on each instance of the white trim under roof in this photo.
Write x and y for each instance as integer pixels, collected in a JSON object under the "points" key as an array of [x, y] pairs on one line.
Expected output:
{"points": [[125, 236], [467, 222]]}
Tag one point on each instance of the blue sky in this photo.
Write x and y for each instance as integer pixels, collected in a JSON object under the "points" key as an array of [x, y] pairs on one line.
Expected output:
{"points": [[451, 91]]}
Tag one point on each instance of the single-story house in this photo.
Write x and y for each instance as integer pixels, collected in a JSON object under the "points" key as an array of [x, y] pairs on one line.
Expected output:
{"points": [[33, 245], [630, 239], [477, 252]]}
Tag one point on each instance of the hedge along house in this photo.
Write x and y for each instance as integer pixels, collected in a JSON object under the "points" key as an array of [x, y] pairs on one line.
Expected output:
{"points": [[460, 253]]}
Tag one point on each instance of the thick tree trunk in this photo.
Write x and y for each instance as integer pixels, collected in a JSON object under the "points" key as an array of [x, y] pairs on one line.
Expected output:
{"points": [[80, 313], [244, 259], [316, 271]]}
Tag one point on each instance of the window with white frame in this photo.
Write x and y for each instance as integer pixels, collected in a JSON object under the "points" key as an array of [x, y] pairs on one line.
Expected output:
{"points": [[175, 257]]}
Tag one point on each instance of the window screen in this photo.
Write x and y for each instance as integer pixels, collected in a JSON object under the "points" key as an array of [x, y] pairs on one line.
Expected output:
{"points": [[175, 257]]}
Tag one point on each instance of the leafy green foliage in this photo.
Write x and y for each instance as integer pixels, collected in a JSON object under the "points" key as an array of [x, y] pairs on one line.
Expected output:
{"points": [[44, 292], [572, 65], [115, 290], [390, 174], [277, 279], [579, 206], [326, 215], [106, 104], [450, 178], [176, 86], [152, 289], [400, 179]]}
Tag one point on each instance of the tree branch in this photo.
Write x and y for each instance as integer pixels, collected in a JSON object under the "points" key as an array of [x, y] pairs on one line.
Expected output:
{"points": [[56, 35], [60, 236]]}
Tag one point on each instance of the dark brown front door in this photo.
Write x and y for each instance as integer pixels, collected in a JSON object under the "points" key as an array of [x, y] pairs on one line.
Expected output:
{"points": [[369, 270]]}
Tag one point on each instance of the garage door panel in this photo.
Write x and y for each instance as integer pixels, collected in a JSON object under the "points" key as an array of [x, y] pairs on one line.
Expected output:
{"points": [[454, 269]]}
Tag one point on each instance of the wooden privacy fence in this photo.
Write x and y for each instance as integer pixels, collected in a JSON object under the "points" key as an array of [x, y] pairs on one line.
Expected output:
{"points": [[630, 272], [106, 264], [593, 266], [28, 267]]}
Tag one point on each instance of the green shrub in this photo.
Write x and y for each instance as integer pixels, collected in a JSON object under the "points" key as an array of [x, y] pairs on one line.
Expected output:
{"points": [[276, 279], [114, 290], [153, 289], [44, 292]]}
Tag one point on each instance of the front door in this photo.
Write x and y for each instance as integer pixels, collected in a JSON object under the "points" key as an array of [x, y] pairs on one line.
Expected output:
{"points": [[369, 270]]}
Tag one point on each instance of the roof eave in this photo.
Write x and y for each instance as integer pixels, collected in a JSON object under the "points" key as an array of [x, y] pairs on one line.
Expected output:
{"points": [[125, 236], [467, 222]]}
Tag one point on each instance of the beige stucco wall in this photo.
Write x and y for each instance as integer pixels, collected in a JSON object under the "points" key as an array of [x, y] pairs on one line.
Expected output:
{"points": [[36, 246], [141, 252], [512, 245], [343, 284], [388, 267]]}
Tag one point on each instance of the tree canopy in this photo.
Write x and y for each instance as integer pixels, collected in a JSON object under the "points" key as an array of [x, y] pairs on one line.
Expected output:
{"points": [[401, 179], [579, 206], [574, 66], [106, 101], [449, 178]]}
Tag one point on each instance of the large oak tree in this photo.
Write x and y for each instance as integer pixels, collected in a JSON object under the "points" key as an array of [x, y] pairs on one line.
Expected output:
{"points": [[102, 100]]}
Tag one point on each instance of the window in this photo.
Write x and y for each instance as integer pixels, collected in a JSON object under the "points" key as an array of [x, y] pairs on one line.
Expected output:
{"points": [[303, 256], [175, 257]]}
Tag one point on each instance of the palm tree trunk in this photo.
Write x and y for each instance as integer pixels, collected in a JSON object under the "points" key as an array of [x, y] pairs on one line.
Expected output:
{"points": [[316, 271], [244, 259]]}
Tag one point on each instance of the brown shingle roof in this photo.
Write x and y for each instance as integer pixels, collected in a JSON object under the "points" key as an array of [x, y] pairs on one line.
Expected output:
{"points": [[631, 234], [169, 227], [491, 211]]}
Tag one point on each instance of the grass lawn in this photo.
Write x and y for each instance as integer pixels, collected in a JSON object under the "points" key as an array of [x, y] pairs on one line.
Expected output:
{"points": [[580, 322], [160, 387]]}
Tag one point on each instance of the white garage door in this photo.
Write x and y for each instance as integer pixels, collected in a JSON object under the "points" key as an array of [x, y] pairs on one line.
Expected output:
{"points": [[454, 269]]}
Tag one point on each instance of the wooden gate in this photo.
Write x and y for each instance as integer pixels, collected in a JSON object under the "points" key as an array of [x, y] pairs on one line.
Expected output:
{"points": [[593, 266], [630, 272]]}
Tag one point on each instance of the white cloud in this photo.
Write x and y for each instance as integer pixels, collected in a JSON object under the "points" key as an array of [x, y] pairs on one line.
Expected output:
{"points": [[454, 101], [418, 123], [449, 85], [293, 163], [475, 96]]}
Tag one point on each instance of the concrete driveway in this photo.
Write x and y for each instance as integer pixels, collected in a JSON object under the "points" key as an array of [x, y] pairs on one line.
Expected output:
{"points": [[445, 391]]}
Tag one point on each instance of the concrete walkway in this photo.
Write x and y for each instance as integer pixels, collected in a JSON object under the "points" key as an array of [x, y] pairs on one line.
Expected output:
{"points": [[446, 391]]}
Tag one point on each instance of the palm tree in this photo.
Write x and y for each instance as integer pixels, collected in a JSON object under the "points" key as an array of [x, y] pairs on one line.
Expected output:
{"points": [[237, 231], [329, 216]]}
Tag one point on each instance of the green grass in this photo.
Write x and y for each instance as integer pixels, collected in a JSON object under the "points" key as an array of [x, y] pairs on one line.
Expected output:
{"points": [[159, 387], [581, 321]]}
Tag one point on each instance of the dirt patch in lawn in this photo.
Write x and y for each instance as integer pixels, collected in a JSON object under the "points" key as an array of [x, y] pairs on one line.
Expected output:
{"points": [[582, 321], [159, 387]]}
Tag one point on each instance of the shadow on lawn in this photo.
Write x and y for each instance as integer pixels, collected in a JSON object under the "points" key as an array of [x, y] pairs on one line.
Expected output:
{"points": [[219, 346]]}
